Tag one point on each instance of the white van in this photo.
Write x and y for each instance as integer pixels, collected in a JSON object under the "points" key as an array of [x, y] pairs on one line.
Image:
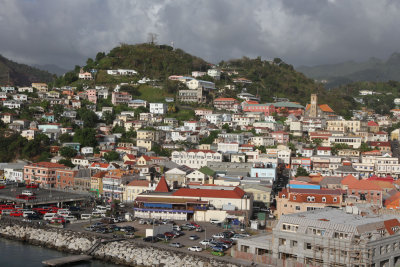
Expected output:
{"points": [[27, 213], [86, 216], [49, 216], [101, 209], [98, 214], [70, 218], [63, 212], [27, 193]]}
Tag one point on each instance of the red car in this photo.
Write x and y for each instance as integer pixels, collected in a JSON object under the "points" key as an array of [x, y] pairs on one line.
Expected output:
{"points": [[169, 234], [22, 196], [32, 186], [194, 224], [16, 214], [2, 186], [58, 220], [41, 210]]}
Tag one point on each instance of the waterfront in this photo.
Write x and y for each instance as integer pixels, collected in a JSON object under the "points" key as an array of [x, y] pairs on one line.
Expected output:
{"points": [[17, 254]]}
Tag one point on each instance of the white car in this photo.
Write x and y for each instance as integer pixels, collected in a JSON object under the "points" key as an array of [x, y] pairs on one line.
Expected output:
{"points": [[237, 236], [215, 221], [205, 242], [217, 236], [195, 248], [27, 193]]}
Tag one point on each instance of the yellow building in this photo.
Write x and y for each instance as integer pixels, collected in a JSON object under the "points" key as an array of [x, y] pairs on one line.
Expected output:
{"points": [[261, 194], [148, 144], [41, 87], [96, 183], [134, 188]]}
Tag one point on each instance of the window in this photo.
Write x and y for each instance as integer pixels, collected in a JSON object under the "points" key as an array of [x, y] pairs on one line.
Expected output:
{"points": [[323, 199], [283, 196], [334, 199], [297, 207], [308, 246]]}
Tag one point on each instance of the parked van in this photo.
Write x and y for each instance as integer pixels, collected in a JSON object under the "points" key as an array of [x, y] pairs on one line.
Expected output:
{"points": [[86, 216], [98, 214], [63, 212], [101, 209], [27, 213], [49, 216], [27, 193], [70, 218]]}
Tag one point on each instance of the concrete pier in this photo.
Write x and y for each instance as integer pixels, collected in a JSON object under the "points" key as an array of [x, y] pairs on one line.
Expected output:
{"points": [[66, 260]]}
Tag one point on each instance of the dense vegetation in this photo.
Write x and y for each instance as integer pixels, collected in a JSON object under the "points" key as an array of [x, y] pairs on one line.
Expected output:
{"points": [[21, 74], [374, 70]]}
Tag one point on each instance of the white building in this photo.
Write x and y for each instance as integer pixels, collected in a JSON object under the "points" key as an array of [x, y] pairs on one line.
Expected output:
{"points": [[195, 158], [228, 147], [196, 84], [215, 73], [158, 108]]}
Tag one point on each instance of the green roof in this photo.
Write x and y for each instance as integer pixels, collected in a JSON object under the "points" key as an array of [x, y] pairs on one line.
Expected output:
{"points": [[207, 171]]}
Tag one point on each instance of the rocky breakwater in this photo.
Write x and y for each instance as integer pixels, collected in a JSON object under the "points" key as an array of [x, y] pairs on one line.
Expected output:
{"points": [[133, 254], [58, 239]]}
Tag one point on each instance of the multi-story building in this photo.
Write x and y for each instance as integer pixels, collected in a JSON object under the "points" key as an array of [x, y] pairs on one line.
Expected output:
{"points": [[158, 108], [135, 188], [346, 126], [43, 173], [113, 182], [92, 95], [353, 142], [198, 95], [230, 104], [65, 178], [294, 200], [196, 84], [41, 87], [120, 98], [327, 237], [195, 158]]}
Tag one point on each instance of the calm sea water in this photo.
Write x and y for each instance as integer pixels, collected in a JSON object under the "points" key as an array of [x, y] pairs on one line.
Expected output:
{"points": [[18, 254]]}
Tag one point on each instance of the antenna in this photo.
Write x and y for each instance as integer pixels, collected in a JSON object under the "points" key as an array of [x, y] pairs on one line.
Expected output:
{"points": [[172, 44]]}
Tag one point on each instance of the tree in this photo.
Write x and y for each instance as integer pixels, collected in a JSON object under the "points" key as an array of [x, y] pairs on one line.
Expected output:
{"points": [[301, 172], [108, 117], [66, 162], [88, 117], [111, 156], [100, 56], [65, 138], [86, 137], [210, 139], [364, 147], [317, 142], [68, 152], [226, 128]]}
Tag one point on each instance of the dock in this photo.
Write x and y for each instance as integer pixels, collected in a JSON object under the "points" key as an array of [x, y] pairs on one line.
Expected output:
{"points": [[66, 260]]}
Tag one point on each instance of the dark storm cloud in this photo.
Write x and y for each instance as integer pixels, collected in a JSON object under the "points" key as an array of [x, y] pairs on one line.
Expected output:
{"points": [[299, 31]]}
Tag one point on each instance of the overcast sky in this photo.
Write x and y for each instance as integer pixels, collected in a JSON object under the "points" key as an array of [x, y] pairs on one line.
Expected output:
{"points": [[301, 32]]}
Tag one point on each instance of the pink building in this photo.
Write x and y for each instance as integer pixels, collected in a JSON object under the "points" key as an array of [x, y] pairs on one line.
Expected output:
{"points": [[92, 95], [268, 110], [120, 98], [42, 173], [280, 137], [227, 104]]}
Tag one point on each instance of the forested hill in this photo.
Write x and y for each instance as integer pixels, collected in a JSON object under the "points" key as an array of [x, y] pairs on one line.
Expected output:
{"points": [[155, 61], [269, 78], [375, 70], [21, 74]]}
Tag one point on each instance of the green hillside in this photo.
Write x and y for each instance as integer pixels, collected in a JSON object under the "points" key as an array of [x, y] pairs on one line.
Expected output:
{"points": [[155, 61], [374, 70], [21, 74]]}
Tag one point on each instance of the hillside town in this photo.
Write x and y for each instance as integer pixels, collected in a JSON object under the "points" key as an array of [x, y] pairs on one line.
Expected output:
{"points": [[300, 184]]}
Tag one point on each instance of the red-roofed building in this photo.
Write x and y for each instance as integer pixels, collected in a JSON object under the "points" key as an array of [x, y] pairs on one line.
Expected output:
{"points": [[194, 202], [324, 151], [384, 147], [292, 200], [373, 127], [227, 104], [362, 191], [267, 109], [162, 186], [43, 173]]}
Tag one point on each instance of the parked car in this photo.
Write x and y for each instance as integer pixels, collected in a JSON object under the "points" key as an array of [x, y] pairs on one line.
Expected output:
{"points": [[27, 193], [169, 234], [199, 229], [32, 185], [195, 248], [16, 214], [194, 224], [151, 239], [237, 236], [218, 248], [176, 228], [219, 235], [218, 253], [215, 221], [205, 242], [193, 237], [176, 245]]}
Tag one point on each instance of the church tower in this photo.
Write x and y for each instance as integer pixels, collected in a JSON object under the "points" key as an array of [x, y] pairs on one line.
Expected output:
{"points": [[313, 106]]}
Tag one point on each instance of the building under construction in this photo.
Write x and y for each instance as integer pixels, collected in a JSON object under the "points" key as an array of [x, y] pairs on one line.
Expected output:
{"points": [[329, 237]]}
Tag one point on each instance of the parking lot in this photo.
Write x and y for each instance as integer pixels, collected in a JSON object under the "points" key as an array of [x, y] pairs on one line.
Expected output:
{"points": [[140, 233]]}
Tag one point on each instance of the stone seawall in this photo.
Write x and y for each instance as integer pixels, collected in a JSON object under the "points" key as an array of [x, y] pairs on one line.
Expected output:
{"points": [[120, 252]]}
